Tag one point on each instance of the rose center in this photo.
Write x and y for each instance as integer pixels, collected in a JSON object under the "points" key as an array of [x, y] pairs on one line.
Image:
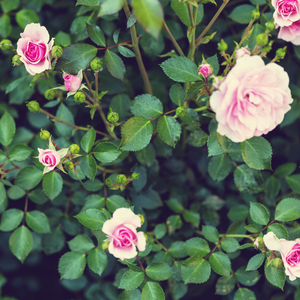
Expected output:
{"points": [[123, 237], [35, 51], [293, 256], [287, 8]]}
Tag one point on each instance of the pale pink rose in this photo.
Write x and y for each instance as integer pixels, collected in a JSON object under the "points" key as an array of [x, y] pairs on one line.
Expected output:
{"points": [[290, 253], [34, 49], [252, 100], [72, 82], [205, 70], [121, 231], [286, 12], [242, 52], [290, 33], [217, 81], [256, 242], [49, 158]]}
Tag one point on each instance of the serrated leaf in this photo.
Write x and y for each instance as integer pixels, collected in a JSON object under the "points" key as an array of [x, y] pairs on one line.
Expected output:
{"points": [[244, 294], [169, 130], [19, 152], [88, 140], [220, 263], [53, 242], [160, 230], [230, 245], [107, 7], [152, 291], [71, 265], [106, 152], [259, 213], [37, 221], [131, 280], [11, 219], [96, 34], [146, 106], [29, 177], [255, 262], [63, 113], [213, 145], [52, 184], [242, 13], [275, 276], [125, 51], [88, 2], [81, 243], [225, 285], [196, 246], [159, 271], [279, 230], [248, 278], [115, 65], [293, 182], [92, 218], [97, 261], [7, 129], [177, 94], [219, 167], [2, 194], [116, 201], [210, 233], [287, 210], [89, 167]]}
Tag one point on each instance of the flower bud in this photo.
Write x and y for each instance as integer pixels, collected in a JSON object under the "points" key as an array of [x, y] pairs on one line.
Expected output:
{"points": [[57, 51], [108, 181], [6, 45], [16, 61], [33, 106], [142, 218], [96, 64], [259, 243], [105, 245], [79, 97], [69, 166], [74, 149], [44, 135], [135, 176], [180, 111], [277, 263], [205, 70], [242, 52], [222, 46], [280, 53], [270, 25], [112, 117], [262, 39], [121, 179], [50, 94], [255, 15]]}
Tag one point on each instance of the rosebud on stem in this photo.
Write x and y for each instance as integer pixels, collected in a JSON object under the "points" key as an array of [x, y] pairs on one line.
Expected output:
{"points": [[44, 134], [57, 51], [222, 46], [50, 95], [79, 97], [262, 39], [16, 61], [277, 263], [6, 45], [74, 149], [96, 64], [69, 166], [255, 14], [112, 117], [33, 106]]}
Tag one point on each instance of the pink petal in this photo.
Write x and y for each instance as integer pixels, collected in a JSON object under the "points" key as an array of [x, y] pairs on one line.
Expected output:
{"points": [[141, 241], [126, 215], [272, 242]]}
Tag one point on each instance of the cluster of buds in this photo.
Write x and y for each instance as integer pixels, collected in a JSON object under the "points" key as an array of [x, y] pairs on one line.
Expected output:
{"points": [[121, 181]]}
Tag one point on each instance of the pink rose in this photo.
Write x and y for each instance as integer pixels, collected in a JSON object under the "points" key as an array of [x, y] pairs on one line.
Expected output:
{"points": [[72, 82], [242, 52], [286, 12], [252, 100], [290, 33], [49, 158], [290, 253], [205, 70], [34, 49], [121, 231]]}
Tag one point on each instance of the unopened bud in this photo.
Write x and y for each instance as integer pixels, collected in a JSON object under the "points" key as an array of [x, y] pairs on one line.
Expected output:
{"points": [[142, 218], [33, 106], [121, 179], [50, 94], [96, 65], [277, 263], [135, 176], [79, 97], [6, 45], [180, 111], [255, 15], [280, 53], [108, 181], [105, 245], [262, 39], [259, 243], [270, 26], [16, 61], [44, 134], [57, 51], [69, 166], [205, 70], [222, 46], [74, 149], [112, 117]]}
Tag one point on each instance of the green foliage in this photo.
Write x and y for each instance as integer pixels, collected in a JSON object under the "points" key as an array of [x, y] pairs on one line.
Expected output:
{"points": [[97, 261], [220, 263], [7, 129], [115, 65], [109, 8], [255, 262], [11, 219], [71, 265], [275, 276], [131, 280], [146, 106], [26, 16], [96, 35], [259, 213], [81, 243], [29, 177], [106, 152], [92, 218], [37, 221], [159, 271], [152, 291], [196, 246], [287, 210], [241, 14], [52, 184], [169, 130]]}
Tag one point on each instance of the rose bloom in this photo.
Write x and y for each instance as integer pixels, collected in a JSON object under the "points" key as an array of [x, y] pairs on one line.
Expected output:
{"points": [[121, 231], [252, 100], [290, 253], [205, 70], [286, 12], [290, 33], [49, 158], [242, 52], [34, 49], [72, 82]]}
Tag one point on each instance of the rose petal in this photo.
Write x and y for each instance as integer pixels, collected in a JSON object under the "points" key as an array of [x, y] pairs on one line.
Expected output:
{"points": [[141, 241], [272, 242], [126, 215]]}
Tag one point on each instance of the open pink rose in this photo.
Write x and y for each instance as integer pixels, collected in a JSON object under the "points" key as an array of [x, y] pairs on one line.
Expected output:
{"points": [[252, 100], [34, 49], [72, 82], [241, 52], [286, 11], [121, 231], [290, 253], [49, 158], [290, 33], [205, 70]]}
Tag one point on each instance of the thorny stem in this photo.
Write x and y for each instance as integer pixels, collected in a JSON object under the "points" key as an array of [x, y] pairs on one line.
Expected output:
{"points": [[173, 39], [137, 52], [246, 32]]}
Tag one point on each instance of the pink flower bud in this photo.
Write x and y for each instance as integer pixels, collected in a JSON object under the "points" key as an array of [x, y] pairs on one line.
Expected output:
{"points": [[241, 52], [49, 158], [72, 82], [205, 70]]}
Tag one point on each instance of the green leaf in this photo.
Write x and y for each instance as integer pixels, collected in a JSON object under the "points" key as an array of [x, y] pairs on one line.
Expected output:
{"points": [[293, 182], [29, 177], [159, 271], [285, 169], [160, 230], [9, 5], [180, 69], [146, 106], [11, 219], [52, 184], [279, 230], [255, 262], [116, 201], [287, 210], [71, 265], [62, 39], [2, 194], [225, 285], [244, 294], [115, 65], [169, 130], [93, 185], [15, 192], [96, 34], [238, 212], [219, 167], [38, 221], [88, 2], [224, 142], [177, 250], [125, 51], [213, 145], [146, 156], [152, 291], [149, 14], [248, 278], [19, 152], [107, 7], [257, 153], [220, 263], [89, 166], [81, 243], [93, 201], [196, 246], [88, 140], [131, 280], [7, 129], [272, 186], [210, 233], [5, 26], [136, 134], [76, 57], [177, 94], [20, 243], [106, 152], [214, 62], [63, 113], [53, 242], [97, 261], [259, 213], [275, 276], [25, 17], [242, 13], [195, 270], [175, 205], [91, 218], [229, 245], [192, 217]]}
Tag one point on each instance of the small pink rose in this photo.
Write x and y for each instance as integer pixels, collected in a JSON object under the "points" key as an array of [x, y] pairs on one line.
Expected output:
{"points": [[34, 49], [49, 158], [121, 231], [205, 70], [290, 33], [242, 52], [72, 82], [286, 12]]}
